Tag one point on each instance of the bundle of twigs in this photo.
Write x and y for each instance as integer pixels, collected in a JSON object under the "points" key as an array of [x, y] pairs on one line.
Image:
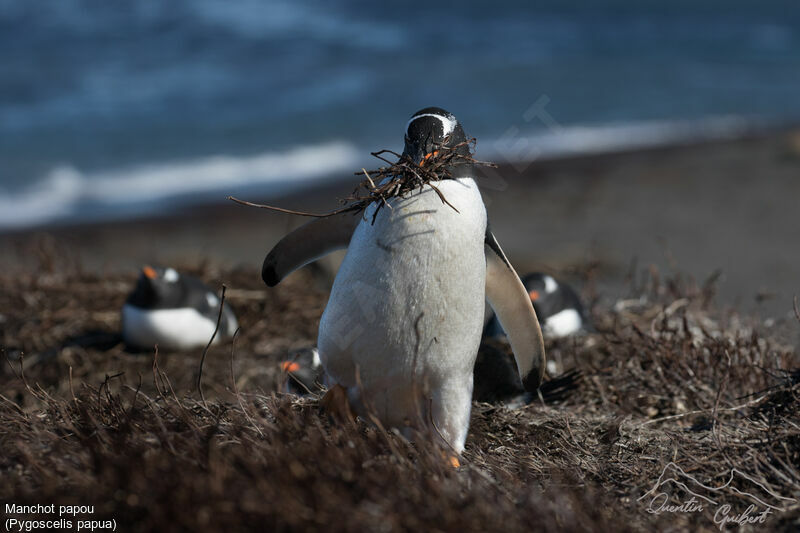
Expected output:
{"points": [[395, 181]]}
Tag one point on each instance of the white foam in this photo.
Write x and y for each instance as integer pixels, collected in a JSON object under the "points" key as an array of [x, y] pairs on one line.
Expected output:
{"points": [[67, 191], [50, 198], [518, 146], [286, 18]]}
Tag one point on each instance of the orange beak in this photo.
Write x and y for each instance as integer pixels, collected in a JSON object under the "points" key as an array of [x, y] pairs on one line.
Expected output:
{"points": [[149, 272], [289, 366], [534, 295], [428, 156]]}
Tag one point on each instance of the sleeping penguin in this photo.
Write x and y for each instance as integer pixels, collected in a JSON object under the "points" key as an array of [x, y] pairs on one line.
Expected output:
{"points": [[558, 308], [173, 311]]}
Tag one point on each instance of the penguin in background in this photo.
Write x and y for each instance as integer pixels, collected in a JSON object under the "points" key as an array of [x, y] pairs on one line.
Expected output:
{"points": [[558, 308], [174, 311], [400, 333], [560, 313], [303, 372]]}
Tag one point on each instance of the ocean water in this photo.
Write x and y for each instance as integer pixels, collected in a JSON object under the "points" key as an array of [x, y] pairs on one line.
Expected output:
{"points": [[118, 109]]}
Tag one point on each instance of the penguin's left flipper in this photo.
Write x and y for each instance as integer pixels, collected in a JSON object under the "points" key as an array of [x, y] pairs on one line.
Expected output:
{"points": [[306, 244], [512, 306]]}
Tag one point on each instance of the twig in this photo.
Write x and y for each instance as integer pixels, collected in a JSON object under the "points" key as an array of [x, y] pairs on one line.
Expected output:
{"points": [[72, 390], [205, 351], [21, 375], [397, 180], [135, 396], [236, 389], [371, 183], [289, 211], [157, 374], [702, 411], [245, 294], [796, 309]]}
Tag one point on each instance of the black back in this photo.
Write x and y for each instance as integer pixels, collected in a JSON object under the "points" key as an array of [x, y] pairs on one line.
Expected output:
{"points": [[495, 374]]}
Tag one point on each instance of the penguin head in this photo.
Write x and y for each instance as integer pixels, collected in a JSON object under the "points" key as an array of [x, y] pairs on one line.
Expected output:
{"points": [[431, 129], [156, 286], [558, 307], [304, 372], [539, 286]]}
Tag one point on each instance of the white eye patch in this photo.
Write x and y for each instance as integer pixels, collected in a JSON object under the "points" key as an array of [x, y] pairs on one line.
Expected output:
{"points": [[212, 300], [448, 123], [170, 275], [550, 284]]}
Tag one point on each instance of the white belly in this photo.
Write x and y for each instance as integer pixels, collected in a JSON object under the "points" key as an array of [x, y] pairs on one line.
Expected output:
{"points": [[170, 329], [563, 323], [406, 308]]}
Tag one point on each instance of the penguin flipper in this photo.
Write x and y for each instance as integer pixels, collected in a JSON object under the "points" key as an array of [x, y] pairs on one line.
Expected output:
{"points": [[513, 308], [307, 243]]}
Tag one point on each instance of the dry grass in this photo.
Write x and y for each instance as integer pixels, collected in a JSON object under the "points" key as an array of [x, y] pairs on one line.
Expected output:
{"points": [[82, 421]]}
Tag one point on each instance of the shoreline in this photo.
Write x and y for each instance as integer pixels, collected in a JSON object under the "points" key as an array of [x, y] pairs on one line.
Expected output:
{"points": [[691, 135], [697, 208]]}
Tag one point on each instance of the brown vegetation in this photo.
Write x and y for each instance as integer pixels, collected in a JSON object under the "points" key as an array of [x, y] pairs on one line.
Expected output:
{"points": [[665, 379]]}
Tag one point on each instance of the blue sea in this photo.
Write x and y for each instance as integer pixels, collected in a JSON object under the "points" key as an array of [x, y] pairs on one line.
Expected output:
{"points": [[120, 109]]}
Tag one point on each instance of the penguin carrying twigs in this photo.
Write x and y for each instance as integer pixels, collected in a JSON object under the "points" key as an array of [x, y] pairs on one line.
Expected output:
{"points": [[400, 333]]}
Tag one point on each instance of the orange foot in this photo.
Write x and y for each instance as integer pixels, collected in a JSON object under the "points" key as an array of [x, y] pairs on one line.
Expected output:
{"points": [[451, 459], [336, 404]]}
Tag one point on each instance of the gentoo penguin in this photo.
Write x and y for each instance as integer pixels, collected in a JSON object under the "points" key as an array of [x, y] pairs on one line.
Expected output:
{"points": [[400, 333], [557, 306], [304, 372], [174, 311]]}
